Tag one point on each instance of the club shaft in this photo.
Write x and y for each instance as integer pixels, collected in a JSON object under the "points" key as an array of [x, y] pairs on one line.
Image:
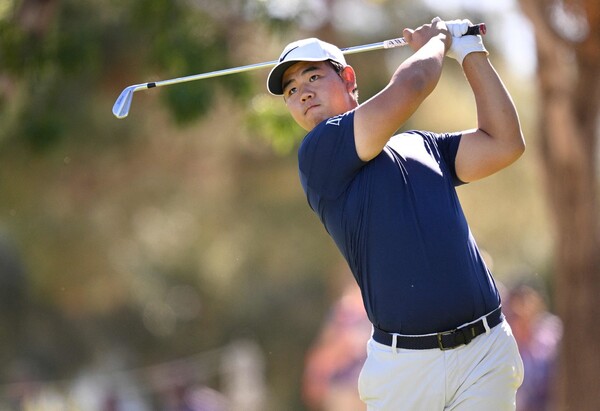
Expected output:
{"points": [[268, 64], [386, 44], [121, 106]]}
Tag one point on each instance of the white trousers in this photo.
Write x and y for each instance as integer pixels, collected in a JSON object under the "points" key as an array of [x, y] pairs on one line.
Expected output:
{"points": [[481, 376]]}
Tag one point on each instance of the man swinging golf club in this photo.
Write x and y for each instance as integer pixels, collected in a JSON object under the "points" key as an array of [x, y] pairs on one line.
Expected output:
{"points": [[440, 341]]}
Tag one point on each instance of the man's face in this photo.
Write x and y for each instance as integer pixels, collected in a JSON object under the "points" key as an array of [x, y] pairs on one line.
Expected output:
{"points": [[314, 91]]}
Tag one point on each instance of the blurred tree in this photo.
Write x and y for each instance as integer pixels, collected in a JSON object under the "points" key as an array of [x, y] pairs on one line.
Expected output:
{"points": [[567, 33], [56, 54]]}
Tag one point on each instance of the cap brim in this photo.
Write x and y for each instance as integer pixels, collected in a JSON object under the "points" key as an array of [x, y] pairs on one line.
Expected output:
{"points": [[276, 77]]}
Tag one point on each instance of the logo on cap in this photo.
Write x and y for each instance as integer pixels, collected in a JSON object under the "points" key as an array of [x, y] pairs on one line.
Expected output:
{"points": [[286, 54]]}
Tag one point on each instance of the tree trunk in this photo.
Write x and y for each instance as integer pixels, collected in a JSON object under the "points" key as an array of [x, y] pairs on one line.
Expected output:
{"points": [[569, 90]]}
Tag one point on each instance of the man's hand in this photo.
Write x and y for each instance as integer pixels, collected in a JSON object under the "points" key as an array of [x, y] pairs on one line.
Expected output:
{"points": [[418, 37], [463, 45]]}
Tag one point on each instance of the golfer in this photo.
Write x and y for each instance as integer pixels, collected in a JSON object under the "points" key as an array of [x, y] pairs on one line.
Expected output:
{"points": [[440, 341]]}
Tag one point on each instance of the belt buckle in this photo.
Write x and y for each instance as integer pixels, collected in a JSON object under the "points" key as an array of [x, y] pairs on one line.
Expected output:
{"points": [[441, 342]]}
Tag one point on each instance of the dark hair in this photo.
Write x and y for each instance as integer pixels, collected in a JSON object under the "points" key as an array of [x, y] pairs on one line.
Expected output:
{"points": [[338, 67]]}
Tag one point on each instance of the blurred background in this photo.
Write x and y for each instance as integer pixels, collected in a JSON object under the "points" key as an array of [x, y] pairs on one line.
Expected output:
{"points": [[169, 260]]}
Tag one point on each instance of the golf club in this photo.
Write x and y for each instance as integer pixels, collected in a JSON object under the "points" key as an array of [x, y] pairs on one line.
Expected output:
{"points": [[123, 103]]}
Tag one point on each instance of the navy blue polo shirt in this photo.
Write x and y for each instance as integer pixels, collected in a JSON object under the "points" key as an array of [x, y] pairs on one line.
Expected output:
{"points": [[399, 224]]}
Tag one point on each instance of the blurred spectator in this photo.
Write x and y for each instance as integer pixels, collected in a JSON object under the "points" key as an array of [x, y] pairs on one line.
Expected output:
{"points": [[334, 362], [538, 334]]}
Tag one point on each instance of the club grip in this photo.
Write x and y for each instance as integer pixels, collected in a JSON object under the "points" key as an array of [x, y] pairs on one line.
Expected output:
{"points": [[476, 29]]}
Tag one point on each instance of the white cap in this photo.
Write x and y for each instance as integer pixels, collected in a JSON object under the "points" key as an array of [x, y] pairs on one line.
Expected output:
{"points": [[311, 49]]}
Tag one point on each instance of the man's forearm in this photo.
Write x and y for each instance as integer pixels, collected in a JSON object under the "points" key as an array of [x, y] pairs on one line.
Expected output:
{"points": [[496, 112], [424, 66]]}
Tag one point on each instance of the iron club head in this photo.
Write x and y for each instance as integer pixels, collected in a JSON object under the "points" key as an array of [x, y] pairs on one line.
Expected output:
{"points": [[123, 103]]}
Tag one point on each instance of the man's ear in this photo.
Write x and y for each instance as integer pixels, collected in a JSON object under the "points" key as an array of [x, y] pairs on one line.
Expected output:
{"points": [[349, 77]]}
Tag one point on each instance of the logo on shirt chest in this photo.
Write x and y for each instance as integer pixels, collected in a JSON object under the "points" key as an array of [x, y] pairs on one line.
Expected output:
{"points": [[334, 121]]}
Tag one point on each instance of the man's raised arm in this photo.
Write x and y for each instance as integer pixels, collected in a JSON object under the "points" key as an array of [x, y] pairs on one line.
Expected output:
{"points": [[378, 118], [498, 141]]}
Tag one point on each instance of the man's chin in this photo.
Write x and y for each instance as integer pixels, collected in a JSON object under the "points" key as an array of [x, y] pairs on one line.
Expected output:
{"points": [[315, 119]]}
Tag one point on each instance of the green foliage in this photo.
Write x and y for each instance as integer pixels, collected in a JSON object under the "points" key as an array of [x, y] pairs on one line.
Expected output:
{"points": [[187, 102], [181, 41], [41, 125], [56, 72], [53, 74]]}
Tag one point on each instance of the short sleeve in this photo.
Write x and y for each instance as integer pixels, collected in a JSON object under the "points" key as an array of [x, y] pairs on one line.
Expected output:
{"points": [[327, 158], [447, 145]]}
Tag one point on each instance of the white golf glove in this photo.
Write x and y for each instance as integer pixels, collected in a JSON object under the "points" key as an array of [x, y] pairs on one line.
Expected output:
{"points": [[463, 45]]}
